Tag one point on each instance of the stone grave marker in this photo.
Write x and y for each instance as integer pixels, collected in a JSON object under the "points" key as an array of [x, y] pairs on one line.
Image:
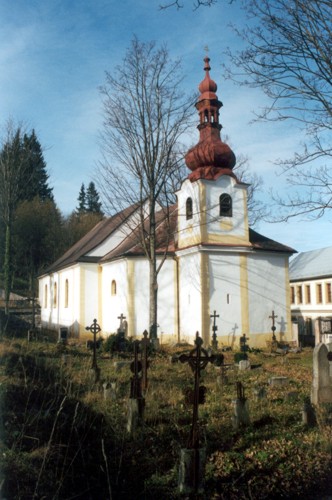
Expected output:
{"points": [[63, 336], [259, 393], [275, 381], [240, 405], [110, 390], [321, 390], [308, 414], [244, 364]]}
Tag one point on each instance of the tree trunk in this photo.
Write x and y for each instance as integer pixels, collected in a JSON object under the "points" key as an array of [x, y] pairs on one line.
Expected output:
{"points": [[7, 267], [153, 314]]}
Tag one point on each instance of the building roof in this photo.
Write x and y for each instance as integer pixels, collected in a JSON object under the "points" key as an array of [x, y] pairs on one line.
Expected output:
{"points": [[78, 252], [260, 242], [313, 264], [131, 245]]}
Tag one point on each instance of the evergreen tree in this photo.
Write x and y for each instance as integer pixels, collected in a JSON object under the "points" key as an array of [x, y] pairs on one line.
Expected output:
{"points": [[93, 205], [35, 179], [81, 209]]}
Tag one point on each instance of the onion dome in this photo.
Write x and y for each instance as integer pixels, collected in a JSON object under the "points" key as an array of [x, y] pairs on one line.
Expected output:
{"points": [[211, 157]]}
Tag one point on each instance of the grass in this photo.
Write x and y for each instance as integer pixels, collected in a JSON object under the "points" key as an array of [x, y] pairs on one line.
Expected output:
{"points": [[60, 439]]}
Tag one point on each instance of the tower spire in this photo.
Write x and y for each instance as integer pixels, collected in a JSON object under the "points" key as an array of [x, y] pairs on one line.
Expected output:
{"points": [[211, 157]]}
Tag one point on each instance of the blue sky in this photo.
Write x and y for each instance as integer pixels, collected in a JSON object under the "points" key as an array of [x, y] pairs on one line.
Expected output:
{"points": [[54, 55]]}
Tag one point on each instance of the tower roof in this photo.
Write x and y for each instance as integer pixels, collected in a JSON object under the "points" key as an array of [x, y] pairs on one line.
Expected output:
{"points": [[211, 157]]}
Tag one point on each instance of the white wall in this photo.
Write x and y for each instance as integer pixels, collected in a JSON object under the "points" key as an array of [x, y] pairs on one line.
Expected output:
{"points": [[225, 295], [268, 290], [114, 305], [190, 295], [226, 184]]}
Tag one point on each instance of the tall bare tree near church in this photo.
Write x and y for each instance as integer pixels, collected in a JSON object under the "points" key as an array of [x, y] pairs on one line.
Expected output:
{"points": [[146, 113]]}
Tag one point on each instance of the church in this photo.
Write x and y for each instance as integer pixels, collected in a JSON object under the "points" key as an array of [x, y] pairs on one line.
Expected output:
{"points": [[217, 271]]}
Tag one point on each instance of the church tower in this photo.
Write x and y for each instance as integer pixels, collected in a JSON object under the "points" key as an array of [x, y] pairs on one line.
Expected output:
{"points": [[212, 223], [212, 202]]}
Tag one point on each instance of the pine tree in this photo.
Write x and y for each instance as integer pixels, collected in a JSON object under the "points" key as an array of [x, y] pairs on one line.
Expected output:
{"points": [[35, 180], [93, 205], [81, 209]]}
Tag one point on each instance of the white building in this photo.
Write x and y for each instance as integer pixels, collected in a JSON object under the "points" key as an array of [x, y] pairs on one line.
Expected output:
{"points": [[311, 295], [215, 262]]}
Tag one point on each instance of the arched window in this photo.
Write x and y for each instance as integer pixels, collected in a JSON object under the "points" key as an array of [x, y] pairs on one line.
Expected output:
{"points": [[66, 293], [113, 287], [225, 205], [189, 208], [45, 296], [55, 293]]}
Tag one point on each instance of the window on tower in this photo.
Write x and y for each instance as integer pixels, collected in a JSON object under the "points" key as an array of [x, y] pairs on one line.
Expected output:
{"points": [[189, 208], [113, 287], [225, 205]]}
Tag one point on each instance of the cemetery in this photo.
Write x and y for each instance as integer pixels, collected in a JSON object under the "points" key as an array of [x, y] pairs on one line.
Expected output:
{"points": [[182, 421]]}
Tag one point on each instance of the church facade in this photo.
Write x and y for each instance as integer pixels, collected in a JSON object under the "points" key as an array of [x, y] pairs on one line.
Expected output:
{"points": [[216, 266]]}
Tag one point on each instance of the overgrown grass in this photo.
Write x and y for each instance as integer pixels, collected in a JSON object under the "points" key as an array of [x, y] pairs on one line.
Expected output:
{"points": [[61, 439]]}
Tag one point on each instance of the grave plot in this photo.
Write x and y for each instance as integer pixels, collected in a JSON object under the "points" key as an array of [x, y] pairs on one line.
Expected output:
{"points": [[65, 434]]}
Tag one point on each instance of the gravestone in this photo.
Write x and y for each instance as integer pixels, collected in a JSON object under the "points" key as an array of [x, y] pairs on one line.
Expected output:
{"points": [[308, 414], [321, 390], [244, 364], [240, 405], [259, 393], [32, 335], [275, 381], [63, 335], [110, 390]]}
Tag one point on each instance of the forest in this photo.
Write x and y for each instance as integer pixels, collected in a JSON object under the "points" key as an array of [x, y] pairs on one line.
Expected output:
{"points": [[33, 230]]}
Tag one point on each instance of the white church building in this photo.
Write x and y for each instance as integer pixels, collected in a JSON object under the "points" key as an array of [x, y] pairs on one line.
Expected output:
{"points": [[214, 263]]}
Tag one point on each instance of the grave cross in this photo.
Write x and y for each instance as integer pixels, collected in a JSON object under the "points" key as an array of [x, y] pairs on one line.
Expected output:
{"points": [[273, 327], [94, 329], [197, 359], [145, 342], [240, 391], [121, 318], [214, 329], [136, 368]]}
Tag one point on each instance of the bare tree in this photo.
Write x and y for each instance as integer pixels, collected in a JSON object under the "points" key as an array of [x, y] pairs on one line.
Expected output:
{"points": [[179, 4], [288, 54], [146, 113]]}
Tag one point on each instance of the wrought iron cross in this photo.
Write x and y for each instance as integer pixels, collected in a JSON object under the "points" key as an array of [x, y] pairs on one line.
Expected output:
{"points": [[94, 329], [273, 327], [214, 329], [145, 342], [240, 391], [136, 368], [197, 359]]}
